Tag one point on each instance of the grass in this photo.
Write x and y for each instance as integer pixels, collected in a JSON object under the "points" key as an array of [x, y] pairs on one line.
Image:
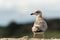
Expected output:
{"points": [[49, 34]]}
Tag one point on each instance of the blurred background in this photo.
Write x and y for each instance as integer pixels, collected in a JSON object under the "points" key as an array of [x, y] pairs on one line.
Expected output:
{"points": [[16, 21]]}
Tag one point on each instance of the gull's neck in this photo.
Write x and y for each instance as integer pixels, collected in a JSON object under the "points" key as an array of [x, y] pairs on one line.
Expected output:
{"points": [[38, 20], [39, 17]]}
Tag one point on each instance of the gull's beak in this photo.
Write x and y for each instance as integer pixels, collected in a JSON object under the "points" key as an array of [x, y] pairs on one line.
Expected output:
{"points": [[32, 13]]}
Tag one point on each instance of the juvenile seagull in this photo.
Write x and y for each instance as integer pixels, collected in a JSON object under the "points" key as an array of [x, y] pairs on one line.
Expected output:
{"points": [[40, 25]]}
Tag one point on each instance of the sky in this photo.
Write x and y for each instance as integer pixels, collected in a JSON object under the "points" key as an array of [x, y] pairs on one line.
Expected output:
{"points": [[20, 10]]}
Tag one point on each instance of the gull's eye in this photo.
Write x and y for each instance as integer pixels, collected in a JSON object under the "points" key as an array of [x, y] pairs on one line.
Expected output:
{"points": [[37, 12]]}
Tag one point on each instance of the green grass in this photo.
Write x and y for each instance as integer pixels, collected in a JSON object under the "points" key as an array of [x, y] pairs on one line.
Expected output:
{"points": [[48, 34], [26, 31]]}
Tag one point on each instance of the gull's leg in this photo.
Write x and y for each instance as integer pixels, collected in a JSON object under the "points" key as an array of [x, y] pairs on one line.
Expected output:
{"points": [[43, 35], [34, 35]]}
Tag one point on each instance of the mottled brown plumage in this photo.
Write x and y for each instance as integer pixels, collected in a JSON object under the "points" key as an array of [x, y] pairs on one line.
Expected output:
{"points": [[40, 25]]}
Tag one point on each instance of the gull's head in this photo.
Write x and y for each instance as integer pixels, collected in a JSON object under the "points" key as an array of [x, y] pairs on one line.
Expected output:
{"points": [[37, 13]]}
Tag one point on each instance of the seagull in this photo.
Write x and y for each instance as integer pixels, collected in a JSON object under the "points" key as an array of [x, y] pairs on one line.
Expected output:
{"points": [[40, 25]]}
